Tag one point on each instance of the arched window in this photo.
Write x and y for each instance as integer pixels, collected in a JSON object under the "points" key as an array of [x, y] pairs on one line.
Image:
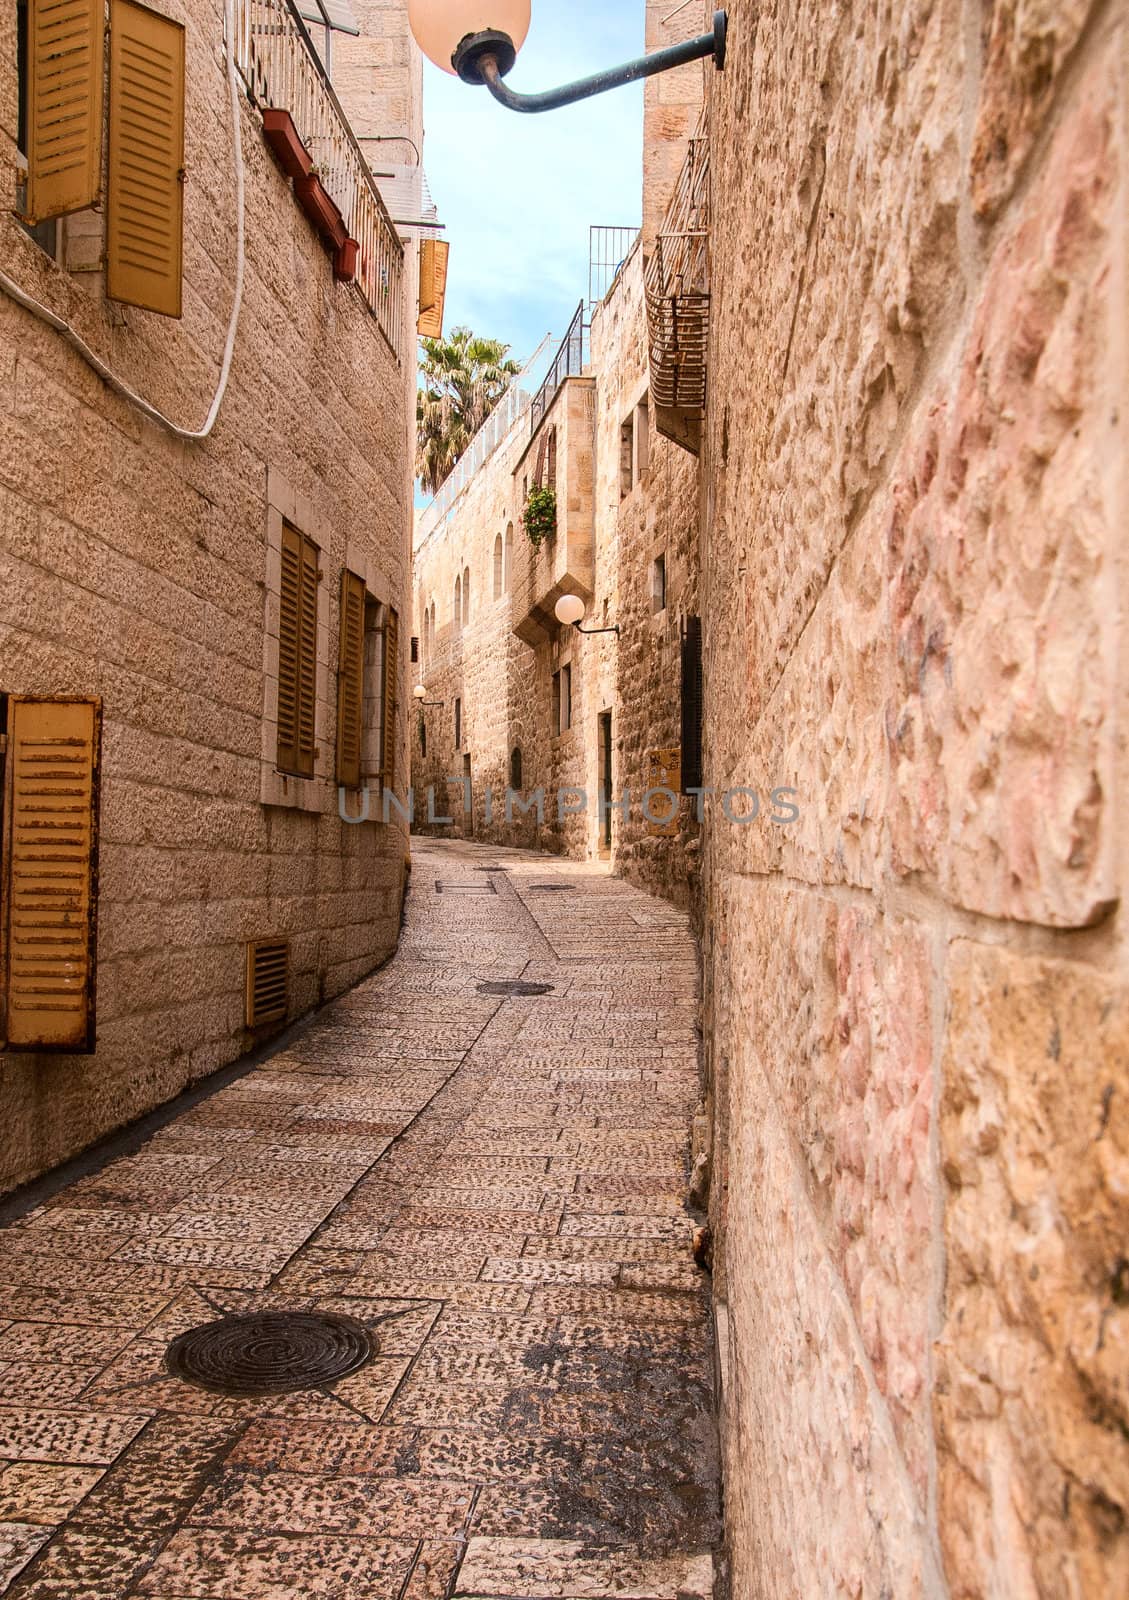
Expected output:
{"points": [[466, 596], [458, 606], [431, 628], [509, 558], [515, 769], [498, 567]]}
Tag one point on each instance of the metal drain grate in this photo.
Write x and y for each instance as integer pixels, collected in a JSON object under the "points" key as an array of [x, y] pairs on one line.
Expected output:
{"points": [[513, 986], [552, 888], [490, 869], [272, 1352], [489, 887]]}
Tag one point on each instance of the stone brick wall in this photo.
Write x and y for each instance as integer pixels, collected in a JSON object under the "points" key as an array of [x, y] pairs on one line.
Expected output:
{"points": [[135, 567], [914, 586]]}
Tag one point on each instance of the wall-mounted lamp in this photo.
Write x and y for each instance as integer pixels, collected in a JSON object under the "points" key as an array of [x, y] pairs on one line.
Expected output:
{"points": [[569, 610], [419, 695], [480, 39]]}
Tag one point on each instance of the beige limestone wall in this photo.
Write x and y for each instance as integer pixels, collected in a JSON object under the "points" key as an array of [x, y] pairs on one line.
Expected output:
{"points": [[136, 567], [915, 589]]}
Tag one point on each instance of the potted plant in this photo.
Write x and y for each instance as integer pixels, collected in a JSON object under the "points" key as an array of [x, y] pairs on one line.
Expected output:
{"points": [[539, 519]]}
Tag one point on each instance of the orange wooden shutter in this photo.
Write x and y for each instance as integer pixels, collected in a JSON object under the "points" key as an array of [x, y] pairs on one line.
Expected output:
{"points": [[351, 681], [54, 753], [433, 254], [145, 197], [64, 106], [391, 674]]}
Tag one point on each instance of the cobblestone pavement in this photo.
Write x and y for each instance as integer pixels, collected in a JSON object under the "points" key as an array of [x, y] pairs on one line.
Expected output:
{"points": [[494, 1186]]}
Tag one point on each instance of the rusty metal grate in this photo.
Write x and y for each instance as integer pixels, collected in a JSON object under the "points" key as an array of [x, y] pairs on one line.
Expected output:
{"points": [[268, 981], [488, 887], [677, 288], [270, 1352], [515, 987]]}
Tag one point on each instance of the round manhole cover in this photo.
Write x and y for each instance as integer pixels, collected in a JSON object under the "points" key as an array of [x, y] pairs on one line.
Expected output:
{"points": [[270, 1352], [523, 991]]}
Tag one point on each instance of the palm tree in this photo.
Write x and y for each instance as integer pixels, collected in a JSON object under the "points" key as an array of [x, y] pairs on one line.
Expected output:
{"points": [[464, 377]]}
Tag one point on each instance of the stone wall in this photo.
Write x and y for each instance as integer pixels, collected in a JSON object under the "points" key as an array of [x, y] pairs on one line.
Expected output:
{"points": [[914, 590], [136, 567]]}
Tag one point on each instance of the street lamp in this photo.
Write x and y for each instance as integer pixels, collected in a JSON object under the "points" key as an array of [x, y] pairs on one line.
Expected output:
{"points": [[419, 694], [480, 39], [569, 610]]}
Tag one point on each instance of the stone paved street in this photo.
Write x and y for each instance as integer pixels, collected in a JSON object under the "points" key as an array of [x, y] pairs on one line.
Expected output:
{"points": [[495, 1187]]}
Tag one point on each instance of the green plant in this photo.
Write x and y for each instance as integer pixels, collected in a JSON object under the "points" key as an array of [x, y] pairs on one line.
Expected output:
{"points": [[539, 519]]}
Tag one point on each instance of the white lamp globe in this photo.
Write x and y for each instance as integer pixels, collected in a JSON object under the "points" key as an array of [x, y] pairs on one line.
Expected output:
{"points": [[420, 692], [440, 26], [569, 608]]}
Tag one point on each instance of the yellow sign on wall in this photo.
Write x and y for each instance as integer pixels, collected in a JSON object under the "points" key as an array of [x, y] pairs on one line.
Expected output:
{"points": [[663, 771]]}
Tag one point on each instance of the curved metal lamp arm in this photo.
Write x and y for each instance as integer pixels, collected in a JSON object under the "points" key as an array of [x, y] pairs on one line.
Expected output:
{"points": [[487, 57], [579, 629]]}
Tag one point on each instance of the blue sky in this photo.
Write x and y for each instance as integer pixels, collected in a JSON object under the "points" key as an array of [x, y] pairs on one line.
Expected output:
{"points": [[518, 192]]}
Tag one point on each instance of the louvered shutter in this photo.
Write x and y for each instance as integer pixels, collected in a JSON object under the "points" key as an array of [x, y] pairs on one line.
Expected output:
{"points": [[54, 754], [145, 196], [391, 674], [64, 106], [297, 654], [692, 704], [351, 681], [433, 260]]}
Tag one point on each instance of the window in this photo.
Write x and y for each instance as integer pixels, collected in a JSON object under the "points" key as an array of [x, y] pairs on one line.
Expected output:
{"points": [[366, 687], [551, 462], [658, 584], [390, 696], [415, 650], [458, 724], [508, 572], [457, 609], [642, 439], [498, 567], [692, 765], [298, 654], [626, 457], [351, 681], [562, 701], [431, 629], [51, 874], [422, 735], [466, 596], [515, 769]]}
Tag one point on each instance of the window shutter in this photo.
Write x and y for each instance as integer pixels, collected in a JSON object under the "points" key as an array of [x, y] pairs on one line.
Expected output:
{"points": [[692, 704], [391, 673], [145, 197], [64, 106], [433, 255], [297, 654], [350, 681], [54, 749]]}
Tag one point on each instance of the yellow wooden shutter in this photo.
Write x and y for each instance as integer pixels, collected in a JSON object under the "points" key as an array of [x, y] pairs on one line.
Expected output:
{"points": [[53, 752], [433, 256], [64, 106], [391, 675], [351, 681], [145, 196]]}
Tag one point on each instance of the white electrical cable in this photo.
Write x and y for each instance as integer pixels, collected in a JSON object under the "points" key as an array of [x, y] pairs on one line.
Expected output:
{"points": [[88, 355]]}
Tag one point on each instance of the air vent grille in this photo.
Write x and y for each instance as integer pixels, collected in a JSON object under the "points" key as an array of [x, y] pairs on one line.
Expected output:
{"points": [[268, 981]]}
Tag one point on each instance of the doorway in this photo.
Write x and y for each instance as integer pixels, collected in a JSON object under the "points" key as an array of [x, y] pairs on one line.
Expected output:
{"points": [[468, 800], [606, 788]]}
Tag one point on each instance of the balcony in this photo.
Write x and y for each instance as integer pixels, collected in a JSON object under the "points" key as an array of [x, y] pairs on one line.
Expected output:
{"points": [[560, 455], [310, 134], [677, 288]]}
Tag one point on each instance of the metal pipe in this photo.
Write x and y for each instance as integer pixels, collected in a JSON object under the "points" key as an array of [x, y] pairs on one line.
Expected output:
{"points": [[477, 60]]}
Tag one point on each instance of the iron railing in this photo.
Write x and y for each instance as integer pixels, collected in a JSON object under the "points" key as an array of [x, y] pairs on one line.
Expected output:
{"points": [[678, 289], [282, 70], [608, 249], [571, 359]]}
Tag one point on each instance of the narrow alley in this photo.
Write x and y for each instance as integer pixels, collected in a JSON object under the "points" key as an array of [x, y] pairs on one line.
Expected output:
{"points": [[492, 1184]]}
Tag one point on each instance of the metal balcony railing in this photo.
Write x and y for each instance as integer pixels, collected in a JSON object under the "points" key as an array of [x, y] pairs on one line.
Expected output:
{"points": [[282, 71], [571, 359], [677, 287]]}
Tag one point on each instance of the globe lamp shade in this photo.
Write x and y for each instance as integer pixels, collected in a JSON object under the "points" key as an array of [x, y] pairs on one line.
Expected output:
{"points": [[569, 608], [420, 692], [440, 26]]}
